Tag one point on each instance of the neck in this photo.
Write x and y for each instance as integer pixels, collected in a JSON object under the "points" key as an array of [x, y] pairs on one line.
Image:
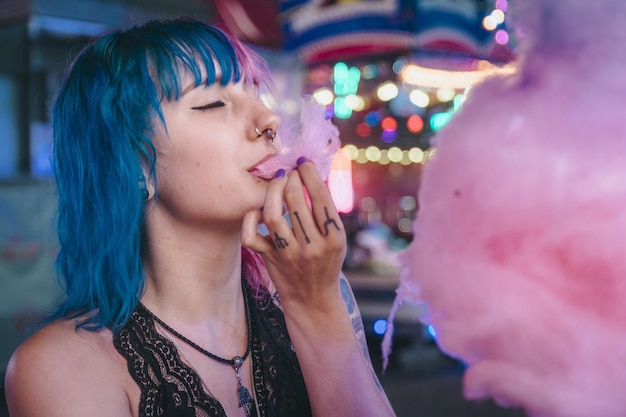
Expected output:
{"points": [[236, 361], [191, 272]]}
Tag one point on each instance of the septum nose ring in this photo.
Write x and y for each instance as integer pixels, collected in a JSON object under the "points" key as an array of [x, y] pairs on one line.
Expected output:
{"points": [[270, 133]]}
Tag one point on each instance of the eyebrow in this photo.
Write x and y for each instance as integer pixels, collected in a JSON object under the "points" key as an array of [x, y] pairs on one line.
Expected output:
{"points": [[193, 86]]}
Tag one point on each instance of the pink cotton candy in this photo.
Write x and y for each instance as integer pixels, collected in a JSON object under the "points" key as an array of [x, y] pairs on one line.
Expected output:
{"points": [[310, 135], [519, 248]]}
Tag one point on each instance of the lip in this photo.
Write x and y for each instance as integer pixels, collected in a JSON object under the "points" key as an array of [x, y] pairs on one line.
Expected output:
{"points": [[254, 169]]}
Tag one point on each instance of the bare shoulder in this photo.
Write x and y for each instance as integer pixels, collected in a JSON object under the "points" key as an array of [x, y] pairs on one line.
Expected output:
{"points": [[67, 372]]}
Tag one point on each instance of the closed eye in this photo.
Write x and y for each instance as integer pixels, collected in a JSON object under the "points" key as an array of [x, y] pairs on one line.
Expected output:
{"points": [[209, 106]]}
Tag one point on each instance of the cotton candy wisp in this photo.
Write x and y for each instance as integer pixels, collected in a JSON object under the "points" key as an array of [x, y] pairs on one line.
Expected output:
{"points": [[308, 134]]}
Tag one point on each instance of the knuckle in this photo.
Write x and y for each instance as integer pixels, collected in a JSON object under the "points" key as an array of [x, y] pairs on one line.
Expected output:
{"points": [[292, 192], [272, 221]]}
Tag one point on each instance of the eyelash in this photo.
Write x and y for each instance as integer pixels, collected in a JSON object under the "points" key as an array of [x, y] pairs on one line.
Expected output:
{"points": [[213, 105]]}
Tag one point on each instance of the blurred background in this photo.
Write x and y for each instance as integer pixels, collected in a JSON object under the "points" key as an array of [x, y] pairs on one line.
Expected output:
{"points": [[391, 74]]}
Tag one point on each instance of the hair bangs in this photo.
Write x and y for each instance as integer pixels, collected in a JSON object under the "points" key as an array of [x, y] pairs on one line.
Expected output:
{"points": [[185, 47]]}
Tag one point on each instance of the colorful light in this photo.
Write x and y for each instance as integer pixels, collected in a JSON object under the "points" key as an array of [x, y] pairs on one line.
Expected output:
{"points": [[342, 109], [439, 120], [445, 94], [363, 130], [419, 98], [373, 118], [386, 156], [498, 15], [323, 96], [389, 123], [502, 38], [355, 102], [389, 136], [436, 78], [346, 83], [416, 155], [369, 71], [380, 326], [415, 123], [490, 22], [394, 154], [387, 91], [340, 182], [372, 153]]}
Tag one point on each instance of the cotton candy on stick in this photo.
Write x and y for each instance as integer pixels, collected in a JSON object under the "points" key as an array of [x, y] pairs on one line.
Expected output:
{"points": [[519, 240], [310, 134]]}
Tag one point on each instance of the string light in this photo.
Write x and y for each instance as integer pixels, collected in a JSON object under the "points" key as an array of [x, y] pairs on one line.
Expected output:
{"points": [[394, 154], [436, 78]]}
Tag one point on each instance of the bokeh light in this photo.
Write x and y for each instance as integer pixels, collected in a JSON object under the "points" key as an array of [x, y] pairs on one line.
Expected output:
{"points": [[387, 91], [502, 37], [363, 130], [419, 98], [415, 123], [389, 123]]}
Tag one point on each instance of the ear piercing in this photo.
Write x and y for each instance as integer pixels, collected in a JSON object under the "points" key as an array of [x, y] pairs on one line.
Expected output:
{"points": [[270, 133]]}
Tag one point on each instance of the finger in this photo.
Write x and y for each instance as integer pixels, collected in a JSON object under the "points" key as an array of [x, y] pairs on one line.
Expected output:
{"points": [[303, 224], [250, 237], [324, 211], [279, 230]]}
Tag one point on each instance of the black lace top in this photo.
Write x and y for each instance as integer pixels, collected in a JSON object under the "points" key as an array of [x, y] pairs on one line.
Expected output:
{"points": [[170, 387]]}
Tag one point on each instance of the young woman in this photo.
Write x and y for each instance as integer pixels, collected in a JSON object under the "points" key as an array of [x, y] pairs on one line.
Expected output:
{"points": [[175, 305]]}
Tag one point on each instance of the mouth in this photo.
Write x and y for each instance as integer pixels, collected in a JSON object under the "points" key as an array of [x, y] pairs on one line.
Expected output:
{"points": [[258, 169]]}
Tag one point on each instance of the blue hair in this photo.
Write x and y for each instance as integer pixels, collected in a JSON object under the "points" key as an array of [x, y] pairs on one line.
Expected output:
{"points": [[102, 125]]}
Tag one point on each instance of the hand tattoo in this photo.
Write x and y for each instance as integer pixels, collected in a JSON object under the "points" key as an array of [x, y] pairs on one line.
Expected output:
{"points": [[280, 241], [306, 237], [329, 221]]}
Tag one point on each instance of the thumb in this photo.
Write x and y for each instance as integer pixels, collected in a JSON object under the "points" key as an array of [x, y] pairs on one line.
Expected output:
{"points": [[250, 236]]}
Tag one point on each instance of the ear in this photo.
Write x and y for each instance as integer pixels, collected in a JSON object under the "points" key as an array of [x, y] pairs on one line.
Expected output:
{"points": [[146, 183]]}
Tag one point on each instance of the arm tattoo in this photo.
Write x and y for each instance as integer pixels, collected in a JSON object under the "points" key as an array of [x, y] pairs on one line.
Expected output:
{"points": [[306, 237], [280, 242], [357, 324], [328, 222]]}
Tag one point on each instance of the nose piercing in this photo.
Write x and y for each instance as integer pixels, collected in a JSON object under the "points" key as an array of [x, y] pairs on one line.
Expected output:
{"points": [[271, 134]]}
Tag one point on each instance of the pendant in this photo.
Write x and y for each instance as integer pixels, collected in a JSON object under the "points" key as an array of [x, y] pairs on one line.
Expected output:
{"points": [[243, 395], [245, 401]]}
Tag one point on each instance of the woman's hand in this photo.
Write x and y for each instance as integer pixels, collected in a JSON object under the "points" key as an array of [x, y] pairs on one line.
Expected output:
{"points": [[304, 259]]}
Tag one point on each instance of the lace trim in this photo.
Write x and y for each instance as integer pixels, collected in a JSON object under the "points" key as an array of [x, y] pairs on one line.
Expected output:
{"points": [[171, 387]]}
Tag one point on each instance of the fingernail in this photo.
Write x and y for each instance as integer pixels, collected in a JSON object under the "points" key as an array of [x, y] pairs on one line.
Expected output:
{"points": [[301, 160], [280, 173]]}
